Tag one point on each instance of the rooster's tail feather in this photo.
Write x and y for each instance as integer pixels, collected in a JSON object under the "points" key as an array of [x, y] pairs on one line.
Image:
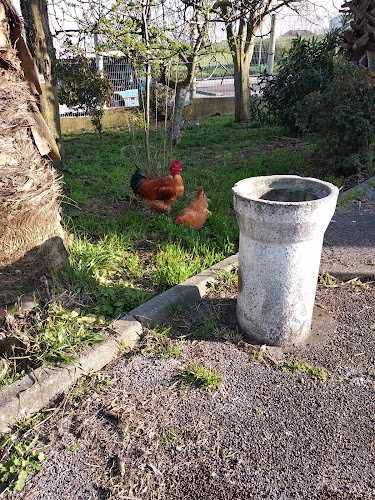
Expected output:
{"points": [[136, 180]]}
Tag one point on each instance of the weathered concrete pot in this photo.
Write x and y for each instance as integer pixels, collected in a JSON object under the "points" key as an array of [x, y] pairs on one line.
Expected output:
{"points": [[282, 221]]}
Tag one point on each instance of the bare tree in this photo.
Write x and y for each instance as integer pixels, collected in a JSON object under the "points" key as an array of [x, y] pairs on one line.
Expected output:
{"points": [[242, 20], [198, 21], [39, 39]]}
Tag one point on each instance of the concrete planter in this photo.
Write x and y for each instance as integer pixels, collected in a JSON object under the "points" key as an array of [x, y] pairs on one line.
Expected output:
{"points": [[282, 221]]}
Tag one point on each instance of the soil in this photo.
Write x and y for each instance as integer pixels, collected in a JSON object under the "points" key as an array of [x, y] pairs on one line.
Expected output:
{"points": [[133, 432]]}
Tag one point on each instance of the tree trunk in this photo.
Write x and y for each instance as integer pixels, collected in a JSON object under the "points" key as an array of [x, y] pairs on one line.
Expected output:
{"points": [[181, 88], [39, 40], [241, 84], [175, 132], [31, 235]]}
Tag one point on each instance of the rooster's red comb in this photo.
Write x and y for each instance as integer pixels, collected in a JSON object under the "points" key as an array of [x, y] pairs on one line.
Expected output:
{"points": [[176, 164]]}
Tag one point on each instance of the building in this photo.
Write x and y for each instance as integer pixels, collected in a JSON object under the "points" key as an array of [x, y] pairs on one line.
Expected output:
{"points": [[295, 33]]}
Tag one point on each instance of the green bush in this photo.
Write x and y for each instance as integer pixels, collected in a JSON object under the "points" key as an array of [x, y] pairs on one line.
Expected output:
{"points": [[343, 114], [306, 67]]}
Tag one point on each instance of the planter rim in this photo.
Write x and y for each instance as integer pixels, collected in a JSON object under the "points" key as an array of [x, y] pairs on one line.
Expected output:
{"points": [[329, 190]]}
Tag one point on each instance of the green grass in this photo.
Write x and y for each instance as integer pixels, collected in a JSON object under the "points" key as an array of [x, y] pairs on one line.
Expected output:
{"points": [[120, 256], [49, 335], [200, 376], [345, 200], [158, 343], [20, 455], [316, 372], [171, 437]]}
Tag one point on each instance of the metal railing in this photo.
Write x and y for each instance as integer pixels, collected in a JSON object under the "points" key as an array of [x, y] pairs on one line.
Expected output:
{"points": [[214, 80]]}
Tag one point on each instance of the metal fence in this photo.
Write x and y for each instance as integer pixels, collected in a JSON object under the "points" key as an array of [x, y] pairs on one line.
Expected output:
{"points": [[127, 85], [215, 80]]}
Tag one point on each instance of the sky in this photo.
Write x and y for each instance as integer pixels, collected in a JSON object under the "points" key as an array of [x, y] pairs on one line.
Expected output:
{"points": [[314, 19]]}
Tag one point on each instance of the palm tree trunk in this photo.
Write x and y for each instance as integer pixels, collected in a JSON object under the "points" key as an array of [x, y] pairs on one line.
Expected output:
{"points": [[40, 42], [31, 236]]}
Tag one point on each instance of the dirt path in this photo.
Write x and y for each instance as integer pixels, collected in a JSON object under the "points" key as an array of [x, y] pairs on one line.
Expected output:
{"points": [[132, 431]]}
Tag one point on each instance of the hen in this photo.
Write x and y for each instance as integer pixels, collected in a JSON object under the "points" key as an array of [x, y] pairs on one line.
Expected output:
{"points": [[196, 213], [159, 194]]}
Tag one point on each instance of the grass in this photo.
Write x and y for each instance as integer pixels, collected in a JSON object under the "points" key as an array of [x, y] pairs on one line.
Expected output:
{"points": [[316, 372], [171, 436], [120, 256], [200, 376], [327, 280], [20, 456], [158, 343], [49, 335], [345, 200], [296, 365]]}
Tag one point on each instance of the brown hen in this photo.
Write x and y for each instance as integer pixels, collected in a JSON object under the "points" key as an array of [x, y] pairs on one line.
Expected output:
{"points": [[196, 213]]}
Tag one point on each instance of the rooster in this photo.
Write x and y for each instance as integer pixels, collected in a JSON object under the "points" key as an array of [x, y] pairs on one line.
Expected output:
{"points": [[196, 213], [159, 194]]}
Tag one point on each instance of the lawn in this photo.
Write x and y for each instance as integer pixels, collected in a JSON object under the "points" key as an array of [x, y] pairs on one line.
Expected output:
{"points": [[121, 256]]}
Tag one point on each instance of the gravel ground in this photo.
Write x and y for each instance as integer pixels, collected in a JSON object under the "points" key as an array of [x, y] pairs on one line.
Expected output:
{"points": [[132, 431]]}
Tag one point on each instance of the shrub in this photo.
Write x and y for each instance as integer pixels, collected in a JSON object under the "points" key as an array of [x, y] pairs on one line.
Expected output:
{"points": [[82, 87], [306, 67], [343, 114]]}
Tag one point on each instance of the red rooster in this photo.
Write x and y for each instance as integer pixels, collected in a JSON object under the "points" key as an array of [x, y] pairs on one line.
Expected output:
{"points": [[159, 194]]}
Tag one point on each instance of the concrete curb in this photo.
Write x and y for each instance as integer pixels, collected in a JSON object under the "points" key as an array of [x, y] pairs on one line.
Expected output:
{"points": [[362, 185], [186, 293], [344, 272], [33, 392]]}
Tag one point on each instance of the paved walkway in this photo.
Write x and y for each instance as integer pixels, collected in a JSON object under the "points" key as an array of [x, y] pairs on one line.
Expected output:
{"points": [[349, 242]]}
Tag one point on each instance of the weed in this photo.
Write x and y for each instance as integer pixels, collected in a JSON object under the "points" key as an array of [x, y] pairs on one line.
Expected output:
{"points": [[175, 309], [19, 456], [73, 447], [228, 335], [346, 199], [327, 281], [170, 437], [123, 346], [98, 381], [49, 335], [336, 181], [159, 344], [168, 351], [208, 327], [201, 376], [226, 282], [357, 284], [316, 372], [256, 356]]}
